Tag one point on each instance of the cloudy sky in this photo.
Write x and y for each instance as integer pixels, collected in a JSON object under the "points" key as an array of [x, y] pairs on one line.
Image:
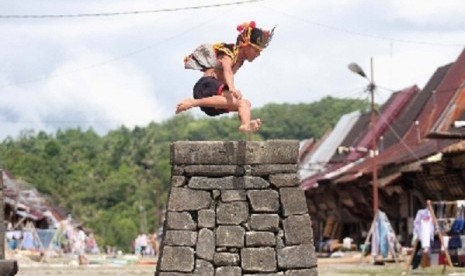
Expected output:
{"points": [[104, 71]]}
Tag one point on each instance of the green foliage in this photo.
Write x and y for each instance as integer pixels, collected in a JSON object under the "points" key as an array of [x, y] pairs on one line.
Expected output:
{"points": [[301, 121], [117, 184]]}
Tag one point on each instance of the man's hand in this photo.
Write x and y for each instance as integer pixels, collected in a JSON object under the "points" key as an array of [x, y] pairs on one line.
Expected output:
{"points": [[236, 94]]}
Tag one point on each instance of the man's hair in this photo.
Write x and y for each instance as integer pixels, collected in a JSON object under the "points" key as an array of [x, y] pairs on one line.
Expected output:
{"points": [[249, 33]]}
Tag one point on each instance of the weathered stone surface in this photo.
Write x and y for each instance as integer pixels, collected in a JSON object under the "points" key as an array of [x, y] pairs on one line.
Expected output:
{"points": [[233, 195], [298, 230], [264, 222], [280, 239], [178, 181], [243, 201], [230, 236], [180, 221], [252, 182], [205, 244], [302, 272], [204, 153], [284, 180], [229, 271], [8, 267], [234, 153], [266, 169], [180, 238], [174, 274], [216, 194], [219, 183], [267, 274], [264, 200], [246, 225], [206, 218], [256, 239], [204, 268], [214, 170], [177, 170], [226, 259], [177, 259], [233, 213], [258, 259], [293, 201], [182, 199], [272, 152], [300, 256]]}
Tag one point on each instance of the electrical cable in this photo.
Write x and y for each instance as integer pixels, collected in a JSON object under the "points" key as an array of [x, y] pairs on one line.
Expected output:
{"points": [[111, 60], [42, 16], [343, 30]]}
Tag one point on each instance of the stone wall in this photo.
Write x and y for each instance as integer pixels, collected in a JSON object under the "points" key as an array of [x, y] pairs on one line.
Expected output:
{"points": [[7, 267], [235, 208]]}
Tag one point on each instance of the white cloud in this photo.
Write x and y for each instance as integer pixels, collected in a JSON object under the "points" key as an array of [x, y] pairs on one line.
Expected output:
{"points": [[104, 97], [429, 11], [108, 71], [117, 92]]}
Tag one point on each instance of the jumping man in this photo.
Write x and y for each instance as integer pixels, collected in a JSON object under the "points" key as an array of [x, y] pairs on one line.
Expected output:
{"points": [[215, 92]]}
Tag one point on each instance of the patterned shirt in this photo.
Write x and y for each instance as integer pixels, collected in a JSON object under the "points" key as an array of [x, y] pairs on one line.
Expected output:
{"points": [[206, 56]]}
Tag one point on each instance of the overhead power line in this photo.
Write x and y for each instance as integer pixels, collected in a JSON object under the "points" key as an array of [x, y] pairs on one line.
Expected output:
{"points": [[108, 61], [41, 16], [373, 36]]}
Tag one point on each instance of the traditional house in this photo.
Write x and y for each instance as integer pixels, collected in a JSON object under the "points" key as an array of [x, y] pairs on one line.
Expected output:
{"points": [[417, 134]]}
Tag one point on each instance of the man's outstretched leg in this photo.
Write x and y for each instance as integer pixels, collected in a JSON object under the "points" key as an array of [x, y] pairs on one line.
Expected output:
{"points": [[253, 126], [228, 102], [247, 124]]}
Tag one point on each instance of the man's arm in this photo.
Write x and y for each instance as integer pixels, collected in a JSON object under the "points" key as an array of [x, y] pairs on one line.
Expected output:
{"points": [[228, 74]]}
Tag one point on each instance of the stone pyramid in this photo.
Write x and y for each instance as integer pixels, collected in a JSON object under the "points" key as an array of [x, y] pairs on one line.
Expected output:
{"points": [[235, 208]]}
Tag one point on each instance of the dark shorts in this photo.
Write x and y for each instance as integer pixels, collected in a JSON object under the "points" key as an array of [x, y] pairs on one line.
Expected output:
{"points": [[207, 87]]}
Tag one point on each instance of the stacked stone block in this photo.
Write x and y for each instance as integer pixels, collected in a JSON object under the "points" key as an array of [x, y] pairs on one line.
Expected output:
{"points": [[7, 267], [235, 208]]}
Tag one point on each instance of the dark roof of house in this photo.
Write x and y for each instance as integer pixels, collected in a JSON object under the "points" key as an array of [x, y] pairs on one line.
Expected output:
{"points": [[406, 124], [442, 88], [352, 139], [25, 199], [399, 126], [428, 106], [362, 135]]}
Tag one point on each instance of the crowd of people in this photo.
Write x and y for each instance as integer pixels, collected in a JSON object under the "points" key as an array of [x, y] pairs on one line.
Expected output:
{"points": [[146, 245], [72, 238], [68, 238], [18, 239]]}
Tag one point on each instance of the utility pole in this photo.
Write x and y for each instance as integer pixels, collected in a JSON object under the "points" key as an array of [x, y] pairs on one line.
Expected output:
{"points": [[374, 148], [374, 160], [374, 154]]}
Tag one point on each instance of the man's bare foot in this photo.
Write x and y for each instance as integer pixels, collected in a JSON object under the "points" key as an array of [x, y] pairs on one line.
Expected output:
{"points": [[252, 126], [184, 105]]}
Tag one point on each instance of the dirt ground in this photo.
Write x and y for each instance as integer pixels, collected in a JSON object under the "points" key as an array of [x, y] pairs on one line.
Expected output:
{"points": [[130, 265], [326, 267], [323, 270], [334, 269], [130, 270], [91, 270]]}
